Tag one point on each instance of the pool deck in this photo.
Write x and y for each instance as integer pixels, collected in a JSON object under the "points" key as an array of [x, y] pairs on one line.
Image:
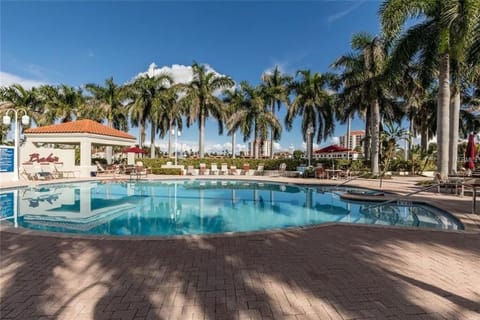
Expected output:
{"points": [[333, 271]]}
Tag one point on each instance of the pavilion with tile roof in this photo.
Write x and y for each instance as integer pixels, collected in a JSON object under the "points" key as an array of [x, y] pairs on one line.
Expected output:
{"points": [[83, 132]]}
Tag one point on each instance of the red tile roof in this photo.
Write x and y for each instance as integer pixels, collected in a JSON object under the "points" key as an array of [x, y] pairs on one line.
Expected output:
{"points": [[357, 133], [81, 126]]}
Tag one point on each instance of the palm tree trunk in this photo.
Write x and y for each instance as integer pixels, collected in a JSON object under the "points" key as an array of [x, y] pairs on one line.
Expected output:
{"points": [[142, 134], [255, 143], [375, 137], [233, 145], [443, 107], [423, 142], [409, 141], [368, 136], [152, 141], [170, 141], [201, 142], [453, 145], [271, 133]]}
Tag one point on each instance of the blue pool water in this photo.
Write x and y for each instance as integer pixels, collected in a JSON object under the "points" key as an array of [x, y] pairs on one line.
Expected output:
{"points": [[167, 208]]}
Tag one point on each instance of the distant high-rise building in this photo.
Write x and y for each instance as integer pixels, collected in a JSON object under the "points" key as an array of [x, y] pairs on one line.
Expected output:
{"points": [[264, 149], [356, 139]]}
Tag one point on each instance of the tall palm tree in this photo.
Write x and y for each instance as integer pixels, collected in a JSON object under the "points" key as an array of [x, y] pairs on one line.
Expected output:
{"points": [[276, 86], [16, 96], [365, 84], [201, 101], [314, 104], [252, 117], [234, 101], [67, 102], [109, 99], [443, 33], [106, 103], [144, 93], [47, 95], [167, 114]]}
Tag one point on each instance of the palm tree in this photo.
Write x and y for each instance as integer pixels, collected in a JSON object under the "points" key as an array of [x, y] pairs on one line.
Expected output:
{"points": [[201, 101], [234, 101], [109, 99], [442, 34], [276, 88], [47, 95], [16, 96], [144, 94], [106, 103], [365, 85], [168, 114], [67, 102], [252, 116], [314, 104]]}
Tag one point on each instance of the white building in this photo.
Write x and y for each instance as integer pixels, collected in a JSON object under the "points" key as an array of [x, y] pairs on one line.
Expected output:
{"points": [[354, 140], [264, 149], [335, 152]]}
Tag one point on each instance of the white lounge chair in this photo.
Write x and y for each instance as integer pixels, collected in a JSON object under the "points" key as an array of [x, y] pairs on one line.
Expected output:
{"points": [[190, 171], [260, 170], [224, 169], [203, 169], [213, 168]]}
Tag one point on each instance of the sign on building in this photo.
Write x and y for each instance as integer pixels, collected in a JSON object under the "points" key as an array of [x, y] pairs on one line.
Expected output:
{"points": [[7, 158]]}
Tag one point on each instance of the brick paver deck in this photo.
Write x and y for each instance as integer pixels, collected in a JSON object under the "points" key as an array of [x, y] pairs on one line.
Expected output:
{"points": [[330, 272], [327, 272]]}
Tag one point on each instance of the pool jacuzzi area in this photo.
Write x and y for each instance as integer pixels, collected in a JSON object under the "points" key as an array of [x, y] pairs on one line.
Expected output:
{"points": [[196, 207]]}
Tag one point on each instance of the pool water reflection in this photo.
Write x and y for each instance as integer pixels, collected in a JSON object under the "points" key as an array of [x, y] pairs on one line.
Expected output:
{"points": [[167, 208]]}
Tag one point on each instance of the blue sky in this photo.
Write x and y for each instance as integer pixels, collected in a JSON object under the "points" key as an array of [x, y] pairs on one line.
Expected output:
{"points": [[79, 42]]}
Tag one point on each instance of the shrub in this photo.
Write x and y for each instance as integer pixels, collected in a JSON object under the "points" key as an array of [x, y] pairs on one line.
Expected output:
{"points": [[167, 171]]}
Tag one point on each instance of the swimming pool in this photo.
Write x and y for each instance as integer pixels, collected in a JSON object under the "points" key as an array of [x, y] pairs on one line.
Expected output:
{"points": [[185, 207]]}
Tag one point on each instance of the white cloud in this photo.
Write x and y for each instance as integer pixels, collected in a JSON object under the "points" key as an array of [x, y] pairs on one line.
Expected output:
{"points": [[179, 73], [277, 147], [304, 146], [7, 79], [336, 16], [281, 67]]}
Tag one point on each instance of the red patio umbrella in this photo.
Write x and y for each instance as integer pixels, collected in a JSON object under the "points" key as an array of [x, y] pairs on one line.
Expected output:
{"points": [[332, 148], [134, 149], [470, 152]]}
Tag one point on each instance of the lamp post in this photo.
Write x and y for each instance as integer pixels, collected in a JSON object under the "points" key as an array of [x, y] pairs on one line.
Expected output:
{"points": [[7, 121], [179, 133], [309, 143]]}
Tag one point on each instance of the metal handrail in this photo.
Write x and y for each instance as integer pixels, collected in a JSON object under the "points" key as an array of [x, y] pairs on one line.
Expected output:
{"points": [[354, 178], [401, 197]]}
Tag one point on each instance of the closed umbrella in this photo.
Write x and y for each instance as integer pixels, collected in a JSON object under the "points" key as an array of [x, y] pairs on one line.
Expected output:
{"points": [[470, 152]]}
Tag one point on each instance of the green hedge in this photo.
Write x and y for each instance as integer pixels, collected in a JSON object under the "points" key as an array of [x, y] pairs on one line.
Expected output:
{"points": [[167, 171], [269, 164]]}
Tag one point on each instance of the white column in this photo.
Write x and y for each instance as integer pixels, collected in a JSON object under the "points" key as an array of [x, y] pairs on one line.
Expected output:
{"points": [[85, 158], [108, 154]]}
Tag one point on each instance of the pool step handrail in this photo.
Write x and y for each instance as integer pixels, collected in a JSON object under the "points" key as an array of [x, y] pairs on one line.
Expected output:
{"points": [[351, 179], [436, 185]]}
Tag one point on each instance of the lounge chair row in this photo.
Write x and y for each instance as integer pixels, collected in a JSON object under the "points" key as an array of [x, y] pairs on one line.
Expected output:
{"points": [[224, 170], [44, 171]]}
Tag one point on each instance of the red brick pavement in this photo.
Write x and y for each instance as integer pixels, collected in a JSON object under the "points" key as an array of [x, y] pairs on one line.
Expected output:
{"points": [[330, 272]]}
